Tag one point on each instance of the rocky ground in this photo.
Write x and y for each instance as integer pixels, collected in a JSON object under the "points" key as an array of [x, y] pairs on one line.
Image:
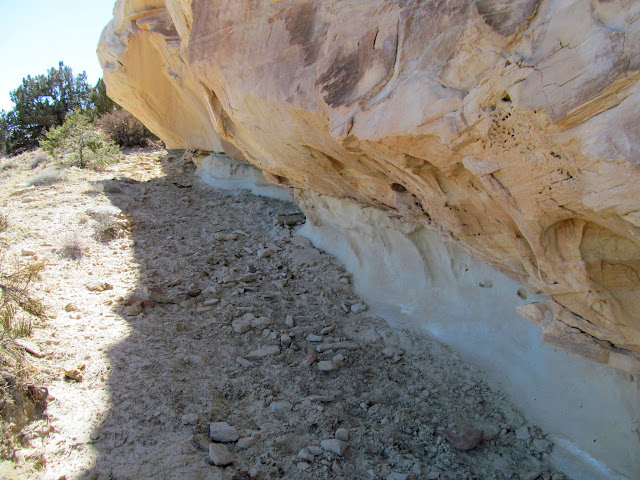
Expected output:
{"points": [[189, 329]]}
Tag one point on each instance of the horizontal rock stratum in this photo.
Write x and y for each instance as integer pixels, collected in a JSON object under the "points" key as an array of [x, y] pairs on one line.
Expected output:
{"points": [[512, 128]]}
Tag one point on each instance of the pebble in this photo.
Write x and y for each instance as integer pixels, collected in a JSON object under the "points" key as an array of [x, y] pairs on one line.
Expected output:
{"points": [[388, 352], [243, 362], [323, 347], [314, 450], [522, 433], [246, 442], [262, 352], [219, 454], [397, 476], [289, 321], [327, 366], [285, 339], [338, 358], [433, 475], [463, 438], [70, 307], [302, 466], [327, 330], [305, 455], [241, 325], [222, 432], [314, 338], [342, 434], [358, 307], [280, 405], [190, 418], [333, 445], [262, 322]]}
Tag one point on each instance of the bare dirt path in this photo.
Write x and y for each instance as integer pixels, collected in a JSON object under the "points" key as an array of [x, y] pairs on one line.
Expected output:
{"points": [[243, 323]]}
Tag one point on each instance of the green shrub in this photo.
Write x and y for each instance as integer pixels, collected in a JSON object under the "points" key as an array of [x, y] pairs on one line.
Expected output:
{"points": [[125, 129], [77, 142]]}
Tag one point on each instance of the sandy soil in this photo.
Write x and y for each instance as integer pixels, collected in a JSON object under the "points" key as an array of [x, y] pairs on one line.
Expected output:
{"points": [[246, 317]]}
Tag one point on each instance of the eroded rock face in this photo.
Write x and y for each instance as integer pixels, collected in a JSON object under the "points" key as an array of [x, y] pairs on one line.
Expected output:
{"points": [[510, 127]]}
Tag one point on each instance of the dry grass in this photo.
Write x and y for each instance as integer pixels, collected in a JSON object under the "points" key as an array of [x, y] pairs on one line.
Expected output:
{"points": [[48, 176], [72, 247], [20, 398]]}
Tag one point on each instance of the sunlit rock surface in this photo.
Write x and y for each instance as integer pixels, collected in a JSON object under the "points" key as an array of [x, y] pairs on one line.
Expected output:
{"points": [[511, 128]]}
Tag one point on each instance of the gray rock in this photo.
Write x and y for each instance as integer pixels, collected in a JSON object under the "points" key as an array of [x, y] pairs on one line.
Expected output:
{"points": [[280, 405], [314, 450], [243, 362], [358, 307], [397, 476], [241, 325], [246, 442], [289, 321], [190, 418], [222, 432], [263, 352], [220, 455], [302, 466], [342, 434], [305, 455], [314, 338], [327, 366], [522, 433], [334, 445]]}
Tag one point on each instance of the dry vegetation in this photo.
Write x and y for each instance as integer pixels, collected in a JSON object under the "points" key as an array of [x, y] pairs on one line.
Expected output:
{"points": [[20, 397]]}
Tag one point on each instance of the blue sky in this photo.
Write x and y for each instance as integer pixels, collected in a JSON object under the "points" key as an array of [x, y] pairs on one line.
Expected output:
{"points": [[36, 34]]}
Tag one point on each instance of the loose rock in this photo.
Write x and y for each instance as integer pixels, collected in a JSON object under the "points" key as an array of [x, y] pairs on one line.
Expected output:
{"points": [[334, 445], [219, 454], [222, 432]]}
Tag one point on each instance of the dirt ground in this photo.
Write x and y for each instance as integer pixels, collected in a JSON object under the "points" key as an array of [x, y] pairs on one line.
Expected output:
{"points": [[235, 319]]}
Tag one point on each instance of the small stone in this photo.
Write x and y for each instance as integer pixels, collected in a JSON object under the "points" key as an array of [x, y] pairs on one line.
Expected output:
{"points": [[338, 357], [70, 307], [263, 352], [285, 339], [397, 476], [246, 442], [190, 418], [541, 446], [333, 445], [433, 475], [305, 455], [342, 434], [241, 325], [531, 476], [265, 252], [98, 286], [314, 338], [244, 363], [464, 438], [289, 321], [133, 310], [219, 454], [522, 433], [262, 322], [388, 352], [302, 466], [358, 307], [280, 405], [73, 374], [28, 253], [327, 330], [327, 366], [314, 450], [222, 432]]}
